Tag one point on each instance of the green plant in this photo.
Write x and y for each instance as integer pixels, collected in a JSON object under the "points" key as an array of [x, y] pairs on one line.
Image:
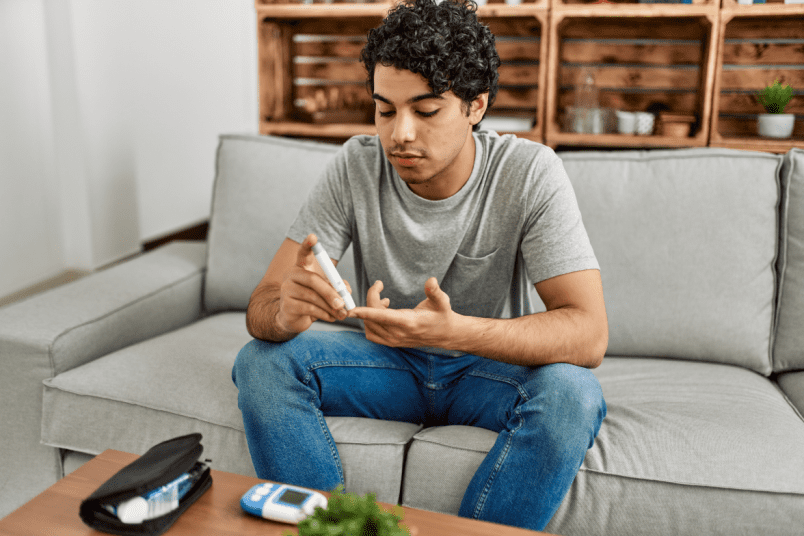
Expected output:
{"points": [[348, 514], [775, 97]]}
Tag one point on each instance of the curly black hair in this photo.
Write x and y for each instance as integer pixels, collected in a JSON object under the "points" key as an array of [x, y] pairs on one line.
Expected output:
{"points": [[444, 42]]}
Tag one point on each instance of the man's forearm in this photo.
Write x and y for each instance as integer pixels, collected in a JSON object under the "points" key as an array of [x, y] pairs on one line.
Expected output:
{"points": [[565, 335], [261, 315]]}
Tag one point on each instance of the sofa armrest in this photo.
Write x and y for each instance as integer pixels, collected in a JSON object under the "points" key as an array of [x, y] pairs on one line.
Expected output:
{"points": [[76, 323]]}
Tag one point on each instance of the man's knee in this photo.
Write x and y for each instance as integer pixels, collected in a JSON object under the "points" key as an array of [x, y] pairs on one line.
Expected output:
{"points": [[251, 358], [570, 395]]}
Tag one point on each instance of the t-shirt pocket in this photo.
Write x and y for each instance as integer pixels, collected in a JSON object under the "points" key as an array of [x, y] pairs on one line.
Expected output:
{"points": [[476, 286]]}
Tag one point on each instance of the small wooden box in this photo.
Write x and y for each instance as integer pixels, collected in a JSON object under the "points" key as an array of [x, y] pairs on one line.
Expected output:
{"points": [[639, 64], [760, 44]]}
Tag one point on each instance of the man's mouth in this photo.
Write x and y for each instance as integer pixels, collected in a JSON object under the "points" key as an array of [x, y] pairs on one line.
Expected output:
{"points": [[406, 159]]}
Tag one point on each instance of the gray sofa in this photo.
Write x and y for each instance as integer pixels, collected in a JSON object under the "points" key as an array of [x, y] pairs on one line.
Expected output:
{"points": [[702, 256]]}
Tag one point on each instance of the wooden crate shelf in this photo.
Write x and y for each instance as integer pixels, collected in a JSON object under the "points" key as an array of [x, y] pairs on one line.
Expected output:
{"points": [[665, 65], [758, 46], [701, 60], [310, 74], [523, 76]]}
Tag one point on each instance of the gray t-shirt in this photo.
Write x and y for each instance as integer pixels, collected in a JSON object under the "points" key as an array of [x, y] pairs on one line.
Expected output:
{"points": [[514, 223]]}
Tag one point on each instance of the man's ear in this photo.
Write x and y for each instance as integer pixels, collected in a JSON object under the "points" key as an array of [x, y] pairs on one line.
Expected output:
{"points": [[478, 108]]}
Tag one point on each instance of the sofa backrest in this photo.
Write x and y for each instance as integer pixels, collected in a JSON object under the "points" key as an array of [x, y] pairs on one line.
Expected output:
{"points": [[686, 241], [789, 345], [675, 232], [260, 184]]}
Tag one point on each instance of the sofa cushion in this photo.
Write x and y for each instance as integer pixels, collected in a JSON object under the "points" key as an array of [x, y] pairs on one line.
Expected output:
{"points": [[686, 242], [792, 384], [260, 184], [686, 448], [181, 383], [789, 345]]}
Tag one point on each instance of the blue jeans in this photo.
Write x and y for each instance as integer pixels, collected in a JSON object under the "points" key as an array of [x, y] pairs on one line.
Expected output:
{"points": [[547, 417]]}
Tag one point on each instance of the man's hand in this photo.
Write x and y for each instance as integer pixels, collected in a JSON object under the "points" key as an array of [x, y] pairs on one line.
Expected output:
{"points": [[292, 294], [428, 324], [305, 295]]}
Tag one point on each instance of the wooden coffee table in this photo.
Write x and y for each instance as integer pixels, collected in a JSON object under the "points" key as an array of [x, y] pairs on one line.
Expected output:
{"points": [[217, 512]]}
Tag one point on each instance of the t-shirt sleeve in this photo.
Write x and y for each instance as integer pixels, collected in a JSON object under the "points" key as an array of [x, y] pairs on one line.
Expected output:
{"points": [[328, 210], [555, 241]]}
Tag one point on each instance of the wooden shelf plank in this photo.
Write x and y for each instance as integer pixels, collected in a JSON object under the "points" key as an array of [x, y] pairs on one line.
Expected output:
{"points": [[504, 10], [311, 11], [634, 10], [327, 11], [345, 130], [331, 130], [758, 144], [622, 140], [733, 9]]}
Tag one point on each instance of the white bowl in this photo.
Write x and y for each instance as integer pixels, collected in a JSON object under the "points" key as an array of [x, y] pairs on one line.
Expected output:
{"points": [[626, 122]]}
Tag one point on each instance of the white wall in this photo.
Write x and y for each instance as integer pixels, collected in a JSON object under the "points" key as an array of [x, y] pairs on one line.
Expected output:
{"points": [[120, 103], [30, 241]]}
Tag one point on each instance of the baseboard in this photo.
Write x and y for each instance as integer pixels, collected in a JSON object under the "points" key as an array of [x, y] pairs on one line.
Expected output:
{"points": [[196, 232], [65, 277]]}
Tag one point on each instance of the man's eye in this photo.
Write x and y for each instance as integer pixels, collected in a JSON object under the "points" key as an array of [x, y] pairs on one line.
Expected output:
{"points": [[386, 114], [428, 114]]}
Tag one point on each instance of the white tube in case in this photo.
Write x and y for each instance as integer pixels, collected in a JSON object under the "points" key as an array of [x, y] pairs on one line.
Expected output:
{"points": [[332, 274]]}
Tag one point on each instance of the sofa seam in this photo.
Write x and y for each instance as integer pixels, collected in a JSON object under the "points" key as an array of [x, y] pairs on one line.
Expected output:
{"points": [[268, 139], [440, 444], [141, 405], [781, 213], [781, 252], [75, 392], [668, 155], [175, 283], [210, 234], [787, 399], [687, 484]]}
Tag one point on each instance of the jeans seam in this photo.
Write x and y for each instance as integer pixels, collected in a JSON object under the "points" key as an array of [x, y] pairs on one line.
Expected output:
{"points": [[333, 448], [500, 459], [503, 379], [360, 364]]}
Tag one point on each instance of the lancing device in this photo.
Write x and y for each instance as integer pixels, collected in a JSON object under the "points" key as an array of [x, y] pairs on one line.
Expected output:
{"points": [[332, 274]]}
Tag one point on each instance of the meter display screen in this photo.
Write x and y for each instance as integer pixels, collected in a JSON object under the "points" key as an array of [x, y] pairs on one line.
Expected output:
{"points": [[296, 498]]}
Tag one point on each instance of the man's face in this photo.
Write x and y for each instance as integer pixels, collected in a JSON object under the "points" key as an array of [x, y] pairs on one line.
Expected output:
{"points": [[426, 137]]}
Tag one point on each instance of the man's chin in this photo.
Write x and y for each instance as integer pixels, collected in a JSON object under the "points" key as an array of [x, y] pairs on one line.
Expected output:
{"points": [[410, 176]]}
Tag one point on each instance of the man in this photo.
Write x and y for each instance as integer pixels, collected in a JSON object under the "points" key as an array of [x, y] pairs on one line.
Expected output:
{"points": [[449, 226]]}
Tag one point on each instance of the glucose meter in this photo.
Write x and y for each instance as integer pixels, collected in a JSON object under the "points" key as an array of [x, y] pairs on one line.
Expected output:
{"points": [[280, 502]]}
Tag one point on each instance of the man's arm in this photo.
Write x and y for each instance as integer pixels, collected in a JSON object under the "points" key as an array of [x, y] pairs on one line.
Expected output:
{"points": [[292, 294], [574, 329]]}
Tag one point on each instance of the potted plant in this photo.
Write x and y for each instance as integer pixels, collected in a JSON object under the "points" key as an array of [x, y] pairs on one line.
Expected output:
{"points": [[775, 123]]}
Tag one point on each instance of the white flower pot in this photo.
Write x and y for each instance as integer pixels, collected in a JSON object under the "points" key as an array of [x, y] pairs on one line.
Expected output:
{"points": [[776, 125]]}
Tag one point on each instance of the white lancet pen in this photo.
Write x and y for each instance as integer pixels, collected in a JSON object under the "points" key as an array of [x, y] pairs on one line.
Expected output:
{"points": [[332, 274]]}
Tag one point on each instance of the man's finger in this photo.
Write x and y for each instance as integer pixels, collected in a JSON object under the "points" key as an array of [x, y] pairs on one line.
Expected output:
{"points": [[373, 295], [306, 250], [380, 315], [435, 294]]}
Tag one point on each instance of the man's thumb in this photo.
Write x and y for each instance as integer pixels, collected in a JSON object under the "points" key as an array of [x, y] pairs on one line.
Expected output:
{"points": [[434, 292]]}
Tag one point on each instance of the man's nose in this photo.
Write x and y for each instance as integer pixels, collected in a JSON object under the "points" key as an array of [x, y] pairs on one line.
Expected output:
{"points": [[404, 128]]}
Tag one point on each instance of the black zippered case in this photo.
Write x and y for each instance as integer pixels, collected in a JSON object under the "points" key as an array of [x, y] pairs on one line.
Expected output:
{"points": [[162, 464]]}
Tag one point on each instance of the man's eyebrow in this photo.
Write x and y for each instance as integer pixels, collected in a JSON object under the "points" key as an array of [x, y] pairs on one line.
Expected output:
{"points": [[417, 98]]}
